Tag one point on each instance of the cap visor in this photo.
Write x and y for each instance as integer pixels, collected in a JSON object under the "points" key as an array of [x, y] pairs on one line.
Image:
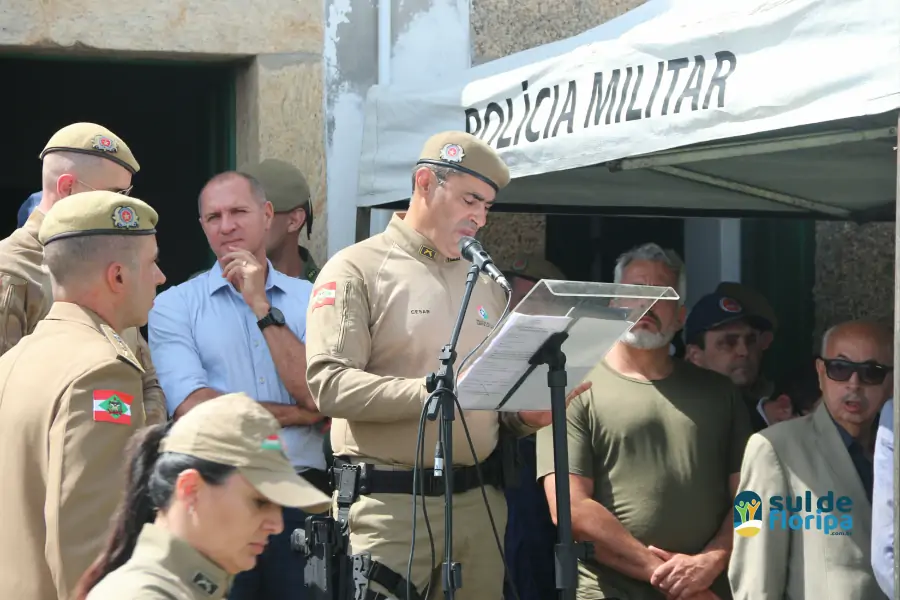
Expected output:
{"points": [[286, 488]]}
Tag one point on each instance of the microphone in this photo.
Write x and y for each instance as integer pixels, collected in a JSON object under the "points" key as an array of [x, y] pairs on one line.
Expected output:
{"points": [[471, 250]]}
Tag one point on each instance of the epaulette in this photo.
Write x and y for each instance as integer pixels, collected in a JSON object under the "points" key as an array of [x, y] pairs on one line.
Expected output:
{"points": [[121, 347]]}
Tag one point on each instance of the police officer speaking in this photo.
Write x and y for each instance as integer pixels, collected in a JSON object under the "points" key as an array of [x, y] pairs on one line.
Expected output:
{"points": [[78, 158], [380, 312], [72, 394]]}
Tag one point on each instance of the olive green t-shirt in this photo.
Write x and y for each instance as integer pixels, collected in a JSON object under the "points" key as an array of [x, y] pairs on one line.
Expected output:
{"points": [[659, 454]]}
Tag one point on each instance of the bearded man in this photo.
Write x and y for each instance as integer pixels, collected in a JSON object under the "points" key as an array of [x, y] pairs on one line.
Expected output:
{"points": [[655, 449]]}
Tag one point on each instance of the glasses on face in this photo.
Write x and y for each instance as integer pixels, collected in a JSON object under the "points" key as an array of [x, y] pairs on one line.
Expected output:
{"points": [[869, 372], [124, 192]]}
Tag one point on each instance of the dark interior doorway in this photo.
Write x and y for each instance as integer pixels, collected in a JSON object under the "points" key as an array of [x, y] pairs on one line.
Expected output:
{"points": [[177, 118]]}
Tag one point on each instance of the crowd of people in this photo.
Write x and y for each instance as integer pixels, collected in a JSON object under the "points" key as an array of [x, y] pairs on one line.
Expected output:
{"points": [[269, 390]]}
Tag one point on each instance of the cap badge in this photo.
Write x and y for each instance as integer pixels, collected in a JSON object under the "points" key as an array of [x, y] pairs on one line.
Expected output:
{"points": [[452, 153], [124, 217], [273, 442], [427, 252], [105, 144], [520, 264], [730, 305]]}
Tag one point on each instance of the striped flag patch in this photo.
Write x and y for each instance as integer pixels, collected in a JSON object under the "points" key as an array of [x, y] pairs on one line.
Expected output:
{"points": [[273, 442], [112, 406], [324, 295]]}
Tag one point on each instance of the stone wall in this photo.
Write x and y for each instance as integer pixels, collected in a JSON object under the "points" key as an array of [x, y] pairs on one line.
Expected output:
{"points": [[504, 27], [279, 91], [854, 273]]}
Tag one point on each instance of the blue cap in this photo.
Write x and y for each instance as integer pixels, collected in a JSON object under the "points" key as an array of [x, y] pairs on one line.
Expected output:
{"points": [[715, 310]]}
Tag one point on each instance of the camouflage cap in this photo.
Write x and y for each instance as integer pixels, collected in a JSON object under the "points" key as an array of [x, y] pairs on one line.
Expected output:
{"points": [[237, 431], [535, 268], [90, 138], [465, 152], [97, 213]]}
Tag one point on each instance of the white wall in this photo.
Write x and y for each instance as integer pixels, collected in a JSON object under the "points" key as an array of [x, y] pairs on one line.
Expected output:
{"points": [[429, 39]]}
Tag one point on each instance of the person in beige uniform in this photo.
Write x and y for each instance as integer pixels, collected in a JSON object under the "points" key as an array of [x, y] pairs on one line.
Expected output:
{"points": [[202, 498], [78, 158], [380, 313], [72, 394]]}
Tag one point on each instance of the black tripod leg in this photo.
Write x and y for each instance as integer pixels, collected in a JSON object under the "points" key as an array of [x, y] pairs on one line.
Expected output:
{"points": [[566, 571]]}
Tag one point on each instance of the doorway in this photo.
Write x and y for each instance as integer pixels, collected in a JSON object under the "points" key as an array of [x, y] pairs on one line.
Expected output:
{"points": [[177, 117]]}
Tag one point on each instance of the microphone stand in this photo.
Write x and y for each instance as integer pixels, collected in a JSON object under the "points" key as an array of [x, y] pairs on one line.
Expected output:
{"points": [[441, 386]]}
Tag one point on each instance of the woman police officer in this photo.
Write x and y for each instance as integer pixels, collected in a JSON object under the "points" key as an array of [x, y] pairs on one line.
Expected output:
{"points": [[203, 495]]}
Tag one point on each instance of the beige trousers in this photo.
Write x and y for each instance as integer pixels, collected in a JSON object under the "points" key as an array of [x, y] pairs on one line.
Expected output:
{"points": [[382, 525]]}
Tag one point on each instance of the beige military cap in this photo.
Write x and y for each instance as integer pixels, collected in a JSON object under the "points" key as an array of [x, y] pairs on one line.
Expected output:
{"points": [[235, 430], [97, 213], [465, 152], [90, 138], [535, 268], [285, 186]]}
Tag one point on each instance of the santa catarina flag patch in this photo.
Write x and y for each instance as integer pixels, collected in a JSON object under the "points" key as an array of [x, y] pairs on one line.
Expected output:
{"points": [[112, 406]]}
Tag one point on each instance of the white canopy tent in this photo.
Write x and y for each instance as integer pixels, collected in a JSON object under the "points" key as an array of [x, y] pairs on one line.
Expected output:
{"points": [[678, 107]]}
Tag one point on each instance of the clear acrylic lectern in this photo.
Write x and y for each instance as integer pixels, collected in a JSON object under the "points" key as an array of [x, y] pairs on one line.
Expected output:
{"points": [[540, 352]]}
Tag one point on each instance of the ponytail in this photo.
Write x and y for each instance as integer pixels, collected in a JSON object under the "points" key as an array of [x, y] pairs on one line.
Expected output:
{"points": [[135, 510]]}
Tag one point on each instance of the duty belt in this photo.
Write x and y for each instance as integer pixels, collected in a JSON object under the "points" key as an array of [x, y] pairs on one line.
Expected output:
{"points": [[371, 480]]}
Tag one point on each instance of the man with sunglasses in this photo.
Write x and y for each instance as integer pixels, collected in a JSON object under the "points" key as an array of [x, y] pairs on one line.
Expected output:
{"points": [[724, 335], [825, 459], [81, 157]]}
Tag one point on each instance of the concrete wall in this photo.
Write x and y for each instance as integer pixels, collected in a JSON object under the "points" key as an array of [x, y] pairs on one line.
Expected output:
{"points": [[854, 273], [279, 101]]}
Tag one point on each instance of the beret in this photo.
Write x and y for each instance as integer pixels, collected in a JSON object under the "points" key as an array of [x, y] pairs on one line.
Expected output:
{"points": [[97, 213], [465, 152], [90, 138]]}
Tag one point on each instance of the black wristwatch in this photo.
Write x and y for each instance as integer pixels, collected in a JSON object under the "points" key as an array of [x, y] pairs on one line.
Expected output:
{"points": [[275, 317]]}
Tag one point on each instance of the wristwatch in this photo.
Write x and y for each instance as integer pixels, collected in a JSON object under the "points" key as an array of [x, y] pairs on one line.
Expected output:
{"points": [[275, 317]]}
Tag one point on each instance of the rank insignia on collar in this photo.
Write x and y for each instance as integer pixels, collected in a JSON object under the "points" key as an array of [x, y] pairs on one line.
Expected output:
{"points": [[204, 583], [427, 252]]}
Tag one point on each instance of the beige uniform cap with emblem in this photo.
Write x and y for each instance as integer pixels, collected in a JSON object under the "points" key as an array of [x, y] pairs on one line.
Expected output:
{"points": [[97, 213], [235, 430], [90, 138], [285, 185], [534, 268], [465, 152]]}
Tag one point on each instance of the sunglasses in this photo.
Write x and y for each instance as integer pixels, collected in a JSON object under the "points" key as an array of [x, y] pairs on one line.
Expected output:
{"points": [[869, 372]]}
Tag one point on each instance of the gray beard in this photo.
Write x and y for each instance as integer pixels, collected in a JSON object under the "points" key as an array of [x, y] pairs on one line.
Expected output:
{"points": [[647, 340]]}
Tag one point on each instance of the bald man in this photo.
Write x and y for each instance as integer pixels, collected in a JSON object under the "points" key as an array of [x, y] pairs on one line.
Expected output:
{"points": [[81, 157], [803, 513]]}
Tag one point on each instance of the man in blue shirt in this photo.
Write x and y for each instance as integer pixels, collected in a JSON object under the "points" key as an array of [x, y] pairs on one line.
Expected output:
{"points": [[883, 502], [241, 327], [28, 206]]}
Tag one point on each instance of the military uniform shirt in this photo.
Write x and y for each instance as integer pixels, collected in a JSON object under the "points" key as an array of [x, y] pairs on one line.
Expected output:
{"points": [[163, 567], [70, 401], [26, 296], [381, 311]]}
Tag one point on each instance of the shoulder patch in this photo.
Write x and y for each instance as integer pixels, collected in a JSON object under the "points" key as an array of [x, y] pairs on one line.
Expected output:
{"points": [[121, 347], [324, 295], [112, 406]]}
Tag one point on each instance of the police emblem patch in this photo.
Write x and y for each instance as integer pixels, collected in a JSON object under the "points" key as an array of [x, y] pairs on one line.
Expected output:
{"points": [[730, 305], [105, 144], [124, 217], [452, 153]]}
